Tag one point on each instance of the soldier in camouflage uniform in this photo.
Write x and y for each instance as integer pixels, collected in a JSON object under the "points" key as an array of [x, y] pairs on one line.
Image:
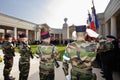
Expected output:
{"points": [[9, 53], [106, 54], [48, 54], [25, 54], [80, 54]]}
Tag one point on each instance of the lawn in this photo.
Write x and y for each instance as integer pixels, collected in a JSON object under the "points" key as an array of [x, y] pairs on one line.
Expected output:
{"points": [[61, 49]]}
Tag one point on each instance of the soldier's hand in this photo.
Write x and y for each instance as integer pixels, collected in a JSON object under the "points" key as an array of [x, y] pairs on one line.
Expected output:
{"points": [[37, 56]]}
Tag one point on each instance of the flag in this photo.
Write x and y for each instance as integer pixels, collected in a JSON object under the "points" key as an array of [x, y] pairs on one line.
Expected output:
{"points": [[96, 24], [89, 20]]}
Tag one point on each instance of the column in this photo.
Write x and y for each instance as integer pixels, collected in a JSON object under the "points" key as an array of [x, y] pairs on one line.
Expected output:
{"points": [[15, 32], [35, 35], [27, 33], [38, 35], [106, 32], [113, 26], [67, 32]]}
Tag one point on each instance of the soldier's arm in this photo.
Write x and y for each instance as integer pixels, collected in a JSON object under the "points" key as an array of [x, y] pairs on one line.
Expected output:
{"points": [[101, 47], [6, 45], [66, 60], [38, 52], [56, 53]]}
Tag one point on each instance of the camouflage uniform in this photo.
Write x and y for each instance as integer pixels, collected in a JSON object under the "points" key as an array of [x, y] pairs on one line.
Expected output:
{"points": [[80, 54], [48, 54], [106, 55], [8, 51], [24, 61]]}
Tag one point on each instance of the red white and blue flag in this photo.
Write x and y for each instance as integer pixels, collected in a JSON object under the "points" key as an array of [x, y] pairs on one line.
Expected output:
{"points": [[92, 19], [92, 22]]}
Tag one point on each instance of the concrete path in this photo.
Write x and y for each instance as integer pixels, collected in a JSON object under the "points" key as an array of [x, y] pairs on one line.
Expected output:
{"points": [[34, 70]]}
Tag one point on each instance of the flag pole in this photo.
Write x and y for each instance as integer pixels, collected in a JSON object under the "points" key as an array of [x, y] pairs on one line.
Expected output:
{"points": [[93, 2]]}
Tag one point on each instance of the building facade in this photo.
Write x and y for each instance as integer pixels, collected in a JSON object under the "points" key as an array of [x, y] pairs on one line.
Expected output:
{"points": [[109, 23], [15, 26]]}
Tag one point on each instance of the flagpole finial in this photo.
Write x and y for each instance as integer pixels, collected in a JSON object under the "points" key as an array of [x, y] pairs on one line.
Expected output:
{"points": [[93, 2]]}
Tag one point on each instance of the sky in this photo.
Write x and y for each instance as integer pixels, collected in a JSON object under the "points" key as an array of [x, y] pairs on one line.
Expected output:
{"points": [[52, 12]]}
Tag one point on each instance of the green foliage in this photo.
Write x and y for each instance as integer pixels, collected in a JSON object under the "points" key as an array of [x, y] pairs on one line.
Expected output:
{"points": [[61, 50]]}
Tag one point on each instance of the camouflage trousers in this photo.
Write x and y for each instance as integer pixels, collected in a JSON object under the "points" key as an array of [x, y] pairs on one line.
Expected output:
{"points": [[77, 74], [8, 67], [46, 74], [24, 66]]}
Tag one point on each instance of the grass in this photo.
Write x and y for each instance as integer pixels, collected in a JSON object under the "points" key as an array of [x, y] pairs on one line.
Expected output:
{"points": [[33, 47], [61, 49]]}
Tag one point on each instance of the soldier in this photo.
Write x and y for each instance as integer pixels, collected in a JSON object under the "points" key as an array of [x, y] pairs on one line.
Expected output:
{"points": [[25, 54], [80, 54], [107, 56], [9, 53], [48, 54]]}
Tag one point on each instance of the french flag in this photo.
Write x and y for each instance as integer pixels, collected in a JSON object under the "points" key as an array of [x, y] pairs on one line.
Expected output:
{"points": [[89, 20], [94, 22]]}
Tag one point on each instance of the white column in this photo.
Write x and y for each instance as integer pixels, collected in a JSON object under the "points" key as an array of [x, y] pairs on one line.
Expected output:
{"points": [[38, 35], [15, 32], [35, 35], [106, 32], [113, 26], [67, 32], [27, 33]]}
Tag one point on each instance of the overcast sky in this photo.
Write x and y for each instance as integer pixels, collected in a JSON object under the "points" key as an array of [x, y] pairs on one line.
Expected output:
{"points": [[52, 12]]}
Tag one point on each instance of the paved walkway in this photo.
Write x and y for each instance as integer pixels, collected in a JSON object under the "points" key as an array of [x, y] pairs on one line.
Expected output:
{"points": [[34, 70]]}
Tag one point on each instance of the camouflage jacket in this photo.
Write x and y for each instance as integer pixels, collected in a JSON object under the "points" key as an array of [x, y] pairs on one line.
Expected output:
{"points": [[8, 49], [105, 46], [47, 54], [25, 50], [80, 54]]}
